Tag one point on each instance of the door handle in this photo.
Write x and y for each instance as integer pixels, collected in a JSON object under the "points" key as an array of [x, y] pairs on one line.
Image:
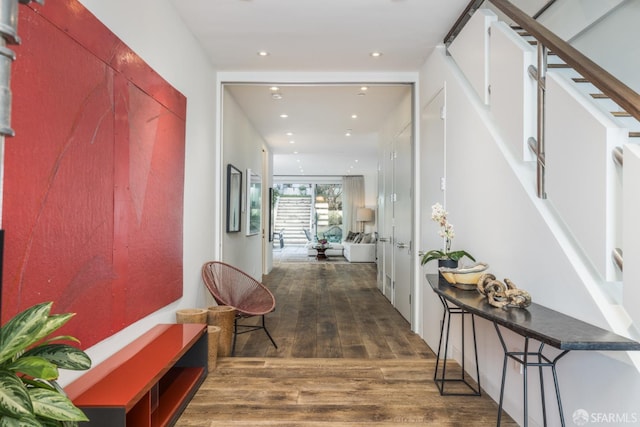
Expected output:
{"points": [[383, 239], [401, 245]]}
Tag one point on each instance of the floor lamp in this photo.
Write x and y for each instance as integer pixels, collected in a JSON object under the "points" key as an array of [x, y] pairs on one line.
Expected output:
{"points": [[364, 215]]}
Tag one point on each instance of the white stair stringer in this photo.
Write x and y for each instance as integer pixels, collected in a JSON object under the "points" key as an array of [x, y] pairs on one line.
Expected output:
{"points": [[631, 221]]}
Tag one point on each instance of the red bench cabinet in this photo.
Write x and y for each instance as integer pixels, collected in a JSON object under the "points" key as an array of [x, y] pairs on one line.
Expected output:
{"points": [[147, 383]]}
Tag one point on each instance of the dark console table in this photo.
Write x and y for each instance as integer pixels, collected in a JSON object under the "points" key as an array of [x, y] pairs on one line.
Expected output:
{"points": [[535, 322]]}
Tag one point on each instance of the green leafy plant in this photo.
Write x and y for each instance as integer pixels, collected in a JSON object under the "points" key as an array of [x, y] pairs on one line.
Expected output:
{"points": [[436, 254], [29, 363], [439, 215]]}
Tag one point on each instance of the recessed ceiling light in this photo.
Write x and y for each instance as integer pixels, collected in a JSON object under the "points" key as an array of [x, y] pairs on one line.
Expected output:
{"points": [[356, 160], [295, 152], [263, 53], [284, 116], [354, 116], [274, 88], [348, 133], [289, 133], [292, 142], [376, 54], [364, 88]]}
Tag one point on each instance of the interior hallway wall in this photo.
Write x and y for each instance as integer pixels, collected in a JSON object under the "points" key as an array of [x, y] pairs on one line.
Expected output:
{"points": [[243, 148], [156, 33], [499, 220]]}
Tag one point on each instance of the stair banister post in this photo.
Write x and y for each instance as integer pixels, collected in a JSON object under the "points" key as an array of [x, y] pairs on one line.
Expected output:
{"points": [[540, 153]]}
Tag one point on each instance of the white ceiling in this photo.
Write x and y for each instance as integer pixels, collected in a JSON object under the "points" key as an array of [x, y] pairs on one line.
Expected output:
{"points": [[319, 36]]}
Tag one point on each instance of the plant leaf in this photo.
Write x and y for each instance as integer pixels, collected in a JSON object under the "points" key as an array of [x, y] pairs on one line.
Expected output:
{"points": [[34, 366], [7, 421], [63, 356], [431, 255], [61, 338], [54, 406], [38, 383], [457, 255], [54, 322], [14, 399], [55, 423], [23, 330]]}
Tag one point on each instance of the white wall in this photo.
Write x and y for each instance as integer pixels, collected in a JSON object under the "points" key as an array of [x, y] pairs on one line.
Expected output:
{"points": [[153, 30], [242, 147], [501, 222], [614, 41]]}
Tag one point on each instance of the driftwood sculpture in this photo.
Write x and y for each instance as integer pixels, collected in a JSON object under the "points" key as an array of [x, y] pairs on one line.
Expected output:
{"points": [[503, 295]]}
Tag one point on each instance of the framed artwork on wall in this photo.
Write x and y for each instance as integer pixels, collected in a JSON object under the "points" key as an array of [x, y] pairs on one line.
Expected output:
{"points": [[234, 198], [254, 203]]}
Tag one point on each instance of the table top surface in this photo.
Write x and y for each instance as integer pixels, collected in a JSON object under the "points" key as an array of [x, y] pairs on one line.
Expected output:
{"points": [[325, 246], [122, 378], [536, 321]]}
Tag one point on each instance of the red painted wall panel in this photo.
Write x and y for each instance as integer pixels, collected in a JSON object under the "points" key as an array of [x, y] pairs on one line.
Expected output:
{"points": [[93, 190], [156, 182], [79, 24]]}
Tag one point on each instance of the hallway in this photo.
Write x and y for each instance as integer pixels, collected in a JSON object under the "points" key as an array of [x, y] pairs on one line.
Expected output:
{"points": [[331, 309], [346, 358]]}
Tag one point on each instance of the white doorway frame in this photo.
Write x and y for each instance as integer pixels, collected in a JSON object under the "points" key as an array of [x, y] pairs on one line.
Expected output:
{"points": [[282, 78]]}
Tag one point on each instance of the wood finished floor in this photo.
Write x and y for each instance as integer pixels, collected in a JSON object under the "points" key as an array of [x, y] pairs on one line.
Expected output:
{"points": [[330, 309], [345, 357]]}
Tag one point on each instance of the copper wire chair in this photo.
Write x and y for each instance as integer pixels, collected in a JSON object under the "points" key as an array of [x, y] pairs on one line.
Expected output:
{"points": [[233, 287]]}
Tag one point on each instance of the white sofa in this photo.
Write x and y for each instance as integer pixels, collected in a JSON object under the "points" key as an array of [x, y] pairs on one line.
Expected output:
{"points": [[359, 252], [357, 247]]}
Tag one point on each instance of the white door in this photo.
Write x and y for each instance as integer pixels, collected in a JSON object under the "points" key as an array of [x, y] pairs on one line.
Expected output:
{"points": [[380, 218], [432, 181], [402, 208], [386, 239]]}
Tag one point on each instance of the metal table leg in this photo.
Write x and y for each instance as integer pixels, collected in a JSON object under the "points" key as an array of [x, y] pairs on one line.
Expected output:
{"points": [[539, 360], [442, 379]]}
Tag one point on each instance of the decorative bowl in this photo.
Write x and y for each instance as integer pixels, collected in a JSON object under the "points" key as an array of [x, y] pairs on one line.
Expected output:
{"points": [[464, 277]]}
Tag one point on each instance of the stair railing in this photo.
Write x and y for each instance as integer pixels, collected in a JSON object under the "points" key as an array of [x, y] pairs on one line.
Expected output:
{"points": [[619, 92], [610, 86], [622, 94], [470, 10]]}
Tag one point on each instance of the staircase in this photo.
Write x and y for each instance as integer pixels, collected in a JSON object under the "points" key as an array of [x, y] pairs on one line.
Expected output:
{"points": [[293, 214], [604, 102]]}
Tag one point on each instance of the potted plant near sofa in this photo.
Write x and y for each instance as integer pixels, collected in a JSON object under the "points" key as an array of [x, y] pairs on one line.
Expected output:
{"points": [[29, 363]]}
